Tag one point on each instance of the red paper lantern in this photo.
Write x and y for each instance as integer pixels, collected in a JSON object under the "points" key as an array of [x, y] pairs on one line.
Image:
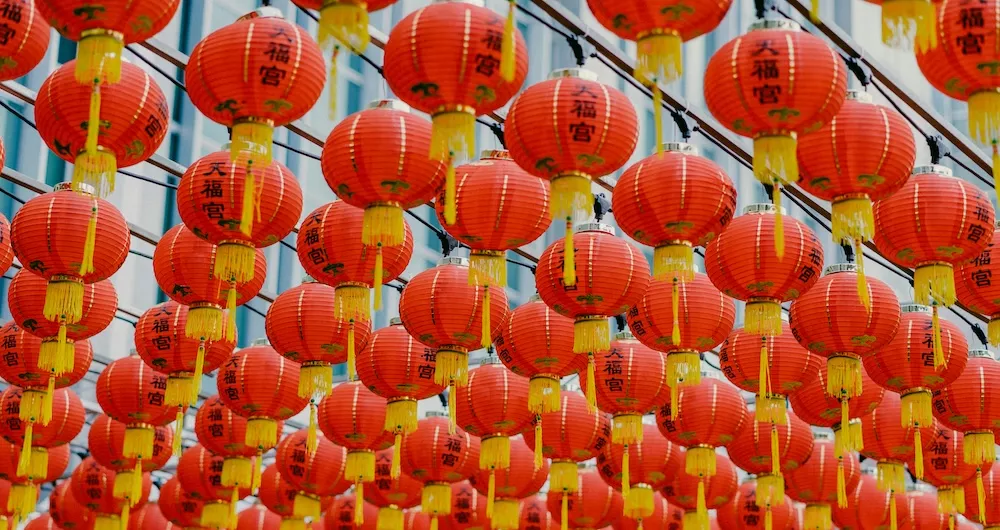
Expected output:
{"points": [[948, 470], [823, 481], [975, 290], [277, 493], [864, 154], [162, 344], [441, 310], [806, 84], [831, 321], [673, 201], [391, 494], [304, 325], [7, 514], [34, 437], [126, 127], [437, 457], [594, 504], [743, 512], [26, 301], [767, 449], [944, 74], [695, 495], [519, 480], [55, 235], [316, 474], [987, 510], [149, 517], [665, 516], [282, 79], [6, 248], [615, 276], [571, 129], [178, 506], [340, 516], [45, 522], [354, 417], [199, 473], [28, 39], [258, 517], [65, 510], [261, 386], [867, 506], [93, 486], [703, 318], [106, 440], [414, 519], [468, 508], [420, 66], [535, 514], [490, 223], [24, 490], [968, 405], [918, 510], [183, 265], [238, 207], [963, 226], [330, 250], [223, 433], [640, 469], [910, 366]]}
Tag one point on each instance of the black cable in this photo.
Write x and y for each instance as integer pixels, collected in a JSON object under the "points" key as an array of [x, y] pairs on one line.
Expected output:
{"points": [[254, 309], [297, 150], [12, 196], [140, 254], [159, 70], [123, 319], [15, 112], [147, 179], [540, 20]]}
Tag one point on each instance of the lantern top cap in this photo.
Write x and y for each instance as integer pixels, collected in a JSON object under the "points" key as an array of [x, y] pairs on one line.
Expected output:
{"points": [[489, 360], [495, 154], [262, 341], [935, 169], [680, 147], [454, 260], [579, 73], [480, 3], [859, 95], [913, 307], [775, 23], [840, 267], [262, 12], [981, 354], [395, 321], [761, 208], [435, 414], [594, 227], [389, 104], [624, 335], [80, 188]]}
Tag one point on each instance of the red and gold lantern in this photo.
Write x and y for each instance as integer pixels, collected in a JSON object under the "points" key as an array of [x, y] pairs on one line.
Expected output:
{"points": [[696, 495], [258, 517], [24, 491], [813, 404], [665, 516], [785, 448], [743, 512], [55, 235], [277, 494], [468, 508], [520, 479], [149, 517], [223, 433], [948, 470], [420, 66], [987, 510], [392, 494], [106, 440], [867, 506], [178, 506], [570, 130], [823, 481], [65, 510], [316, 474], [35, 438], [594, 504], [199, 473], [918, 510], [652, 463], [535, 514], [341, 514], [27, 41], [93, 486], [975, 290]]}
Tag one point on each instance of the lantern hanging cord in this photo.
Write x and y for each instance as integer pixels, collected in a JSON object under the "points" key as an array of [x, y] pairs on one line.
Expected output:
{"points": [[448, 243]]}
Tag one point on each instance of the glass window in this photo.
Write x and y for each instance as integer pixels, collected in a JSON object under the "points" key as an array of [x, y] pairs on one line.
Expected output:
{"points": [[354, 93], [354, 61], [648, 130]]}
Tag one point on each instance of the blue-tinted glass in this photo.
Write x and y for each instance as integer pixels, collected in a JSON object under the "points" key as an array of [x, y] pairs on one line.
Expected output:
{"points": [[55, 169], [354, 61], [354, 92]]}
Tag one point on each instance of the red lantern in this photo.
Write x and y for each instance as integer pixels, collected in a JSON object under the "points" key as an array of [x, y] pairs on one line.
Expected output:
{"points": [[258, 517], [948, 470], [896, 368], [468, 508], [6, 248], [580, 433], [245, 207], [223, 433], [437, 457], [665, 516], [65, 510], [548, 139], [331, 251], [831, 321], [106, 440], [673, 201], [397, 367], [261, 386], [304, 325], [55, 236], [183, 265], [743, 511], [178, 506], [414, 519], [26, 301], [353, 417], [24, 491], [594, 504], [377, 160], [499, 207], [199, 473], [786, 448], [703, 318], [341, 514], [652, 462], [93, 486], [979, 296], [391, 494], [277, 493], [806, 87], [23, 351], [918, 510], [287, 79], [149, 517], [864, 154], [696, 495], [7, 516], [132, 393], [962, 228], [987, 489], [162, 344], [420, 66], [534, 513], [45, 522], [822, 481], [34, 437], [26, 46], [867, 506], [316, 475], [519, 480], [494, 407], [441, 310], [615, 276], [945, 74]]}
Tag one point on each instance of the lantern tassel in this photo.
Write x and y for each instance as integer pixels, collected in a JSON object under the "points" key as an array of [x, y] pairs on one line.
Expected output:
{"points": [[843, 376], [996, 166], [544, 394], [674, 260], [993, 331], [487, 267], [507, 56], [768, 520], [54, 354], [934, 281], [909, 24], [249, 206], [309, 506], [99, 58], [255, 481], [563, 476], [379, 277], [591, 383], [231, 313], [204, 323], [675, 305], [495, 453], [316, 377], [841, 484], [505, 514], [352, 301], [491, 493], [700, 462], [311, 442], [453, 133], [852, 219], [359, 503], [779, 225], [139, 441], [344, 23], [775, 451], [683, 369], [351, 356], [252, 141], [701, 506], [859, 261], [591, 334], [486, 327], [199, 371], [216, 515], [979, 447], [891, 476], [397, 455], [237, 471], [639, 502], [918, 458], [814, 17], [569, 256], [658, 116], [774, 161], [452, 408], [762, 317], [840, 435], [383, 223], [764, 383], [179, 390], [3, 522], [389, 518], [939, 361], [332, 84], [450, 212], [451, 366], [435, 499], [539, 457], [770, 490], [951, 500], [235, 261], [401, 416], [64, 300], [234, 499], [981, 495], [262, 433], [893, 519], [626, 479], [135, 495], [125, 514], [24, 497], [95, 166], [564, 513], [36, 407], [24, 459], [360, 466], [87, 262], [176, 446]]}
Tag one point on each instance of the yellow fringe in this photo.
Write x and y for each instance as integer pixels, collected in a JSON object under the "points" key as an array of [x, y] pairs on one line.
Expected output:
{"points": [[64, 300], [250, 205], [352, 301], [139, 441], [331, 84], [772, 409], [56, 354], [507, 55], [106, 521], [984, 116], [453, 134], [764, 379], [979, 447], [659, 59], [487, 267], [564, 513], [627, 429], [93, 119], [775, 451], [683, 369], [939, 361], [311, 441], [569, 256], [996, 166], [818, 516], [699, 461], [675, 305], [544, 394], [24, 497], [770, 490], [179, 390], [204, 322], [99, 59], [231, 313], [345, 23], [673, 261], [401, 416], [451, 366], [199, 371], [251, 141], [215, 515], [237, 471], [176, 446], [563, 476], [539, 457], [847, 436], [853, 219], [389, 518], [291, 523], [36, 405], [591, 334], [3, 522], [891, 476], [435, 499], [485, 339], [449, 194], [918, 457], [909, 24], [123, 485], [951, 499], [360, 466], [591, 384], [916, 409], [378, 277], [39, 466], [893, 518], [135, 496], [397, 451], [316, 378], [359, 503], [993, 331], [262, 433], [434, 522], [701, 506], [768, 519], [774, 160], [981, 495], [694, 521], [235, 262], [862, 282], [626, 478], [96, 167], [491, 491], [843, 376], [762, 317], [351, 360], [87, 263], [505, 515], [841, 484], [658, 117], [383, 224], [934, 281], [24, 459], [452, 408], [779, 224], [495, 453], [639, 502], [572, 197]]}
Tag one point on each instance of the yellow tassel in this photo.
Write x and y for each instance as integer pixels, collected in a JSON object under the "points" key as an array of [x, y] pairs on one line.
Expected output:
{"points": [[507, 56], [378, 275], [3, 522], [694, 521], [918, 458], [852, 219], [591, 383], [892, 512], [452, 408], [951, 499], [24, 497], [57, 355], [359, 503], [683, 369], [993, 331], [659, 59], [434, 522], [505, 514], [262, 433], [233, 501], [859, 261], [702, 506], [401, 416], [762, 317], [451, 366], [491, 492], [215, 515], [934, 281], [205, 323], [252, 141], [768, 519], [770, 490], [139, 441], [814, 16], [449, 194], [231, 313], [176, 446], [563, 476], [344, 23], [435, 499], [700, 462], [775, 451], [87, 263], [764, 377], [979, 447], [360, 466], [106, 521], [126, 512], [235, 262], [237, 471], [179, 390], [840, 432], [397, 455], [24, 459], [311, 442], [569, 256], [487, 328], [626, 479], [64, 300], [774, 160], [909, 24], [97, 168], [135, 496], [779, 224], [673, 261], [539, 458], [453, 133], [99, 57], [389, 518], [255, 481], [544, 394], [316, 377], [35, 407], [488, 267], [627, 429], [572, 197], [352, 300], [939, 361], [591, 334], [891, 476], [564, 513], [841, 484], [675, 305], [332, 84], [818, 516], [981, 495], [287, 523], [351, 358], [843, 376], [93, 119], [639, 502], [383, 224], [951, 522], [495, 453], [658, 117]]}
